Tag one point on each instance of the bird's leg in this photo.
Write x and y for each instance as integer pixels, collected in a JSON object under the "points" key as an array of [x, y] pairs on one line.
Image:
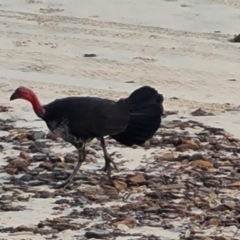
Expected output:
{"points": [[81, 158], [108, 159]]}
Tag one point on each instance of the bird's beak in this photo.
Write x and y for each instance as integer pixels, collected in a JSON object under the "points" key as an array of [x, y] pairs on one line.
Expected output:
{"points": [[14, 96]]}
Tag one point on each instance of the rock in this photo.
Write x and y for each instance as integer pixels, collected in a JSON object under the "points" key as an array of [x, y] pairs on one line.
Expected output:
{"points": [[129, 221], [52, 136], [98, 234], [189, 145], [214, 222], [39, 158], [41, 143], [146, 144], [89, 55], [35, 171], [32, 148], [70, 158], [154, 141], [137, 179], [119, 185], [168, 156], [123, 227], [60, 165], [46, 165], [172, 186], [90, 158], [36, 135], [199, 112], [234, 184], [21, 137], [26, 178], [202, 164], [44, 194], [55, 158], [11, 170], [230, 205], [5, 108], [24, 228], [62, 201], [110, 191], [1, 148], [236, 38], [25, 155], [46, 151], [20, 164], [196, 156]]}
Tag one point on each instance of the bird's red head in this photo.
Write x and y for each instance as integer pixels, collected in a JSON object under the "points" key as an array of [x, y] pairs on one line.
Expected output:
{"points": [[29, 95], [23, 93]]}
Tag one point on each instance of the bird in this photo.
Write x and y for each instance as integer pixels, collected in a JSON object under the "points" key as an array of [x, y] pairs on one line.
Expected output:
{"points": [[79, 119]]}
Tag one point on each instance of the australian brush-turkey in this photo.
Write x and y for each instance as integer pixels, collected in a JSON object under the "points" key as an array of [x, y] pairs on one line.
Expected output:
{"points": [[78, 120]]}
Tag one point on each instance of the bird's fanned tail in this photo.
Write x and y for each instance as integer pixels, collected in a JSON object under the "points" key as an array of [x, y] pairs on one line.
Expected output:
{"points": [[145, 117]]}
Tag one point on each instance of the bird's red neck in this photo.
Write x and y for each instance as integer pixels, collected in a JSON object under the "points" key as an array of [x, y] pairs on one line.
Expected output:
{"points": [[37, 106]]}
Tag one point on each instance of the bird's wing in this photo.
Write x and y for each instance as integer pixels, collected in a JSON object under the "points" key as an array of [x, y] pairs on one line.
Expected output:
{"points": [[101, 118], [88, 117]]}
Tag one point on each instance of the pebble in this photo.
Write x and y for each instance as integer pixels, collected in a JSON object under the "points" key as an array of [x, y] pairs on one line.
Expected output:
{"points": [[98, 234], [35, 135]]}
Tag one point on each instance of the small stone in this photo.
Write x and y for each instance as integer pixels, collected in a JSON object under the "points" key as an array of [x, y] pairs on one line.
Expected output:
{"points": [[98, 234], [199, 112], [190, 145], [11, 170], [23, 228], [70, 158], [154, 141], [62, 201], [46, 165], [52, 136], [214, 222], [236, 38], [25, 155], [234, 184], [61, 165], [202, 164], [1, 148], [196, 156], [41, 143], [21, 136], [35, 135], [137, 179], [45, 194], [123, 227], [172, 186], [90, 55], [146, 144], [119, 185], [129, 221], [55, 158], [39, 158], [168, 156], [26, 178]]}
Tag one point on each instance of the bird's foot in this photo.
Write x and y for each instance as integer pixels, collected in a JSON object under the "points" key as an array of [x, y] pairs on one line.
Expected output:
{"points": [[107, 168]]}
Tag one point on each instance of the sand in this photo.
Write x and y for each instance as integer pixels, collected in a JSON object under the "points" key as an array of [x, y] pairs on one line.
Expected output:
{"points": [[181, 48]]}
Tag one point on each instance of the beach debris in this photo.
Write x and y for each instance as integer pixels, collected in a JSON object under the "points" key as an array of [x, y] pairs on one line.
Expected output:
{"points": [[5, 108], [236, 38], [199, 112], [192, 178], [90, 55]]}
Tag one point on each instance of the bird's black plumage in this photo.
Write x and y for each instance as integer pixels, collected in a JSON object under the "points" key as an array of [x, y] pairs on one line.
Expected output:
{"points": [[78, 120], [87, 117]]}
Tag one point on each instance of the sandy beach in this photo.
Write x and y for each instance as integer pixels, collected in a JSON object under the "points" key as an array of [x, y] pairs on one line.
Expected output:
{"points": [[180, 47]]}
